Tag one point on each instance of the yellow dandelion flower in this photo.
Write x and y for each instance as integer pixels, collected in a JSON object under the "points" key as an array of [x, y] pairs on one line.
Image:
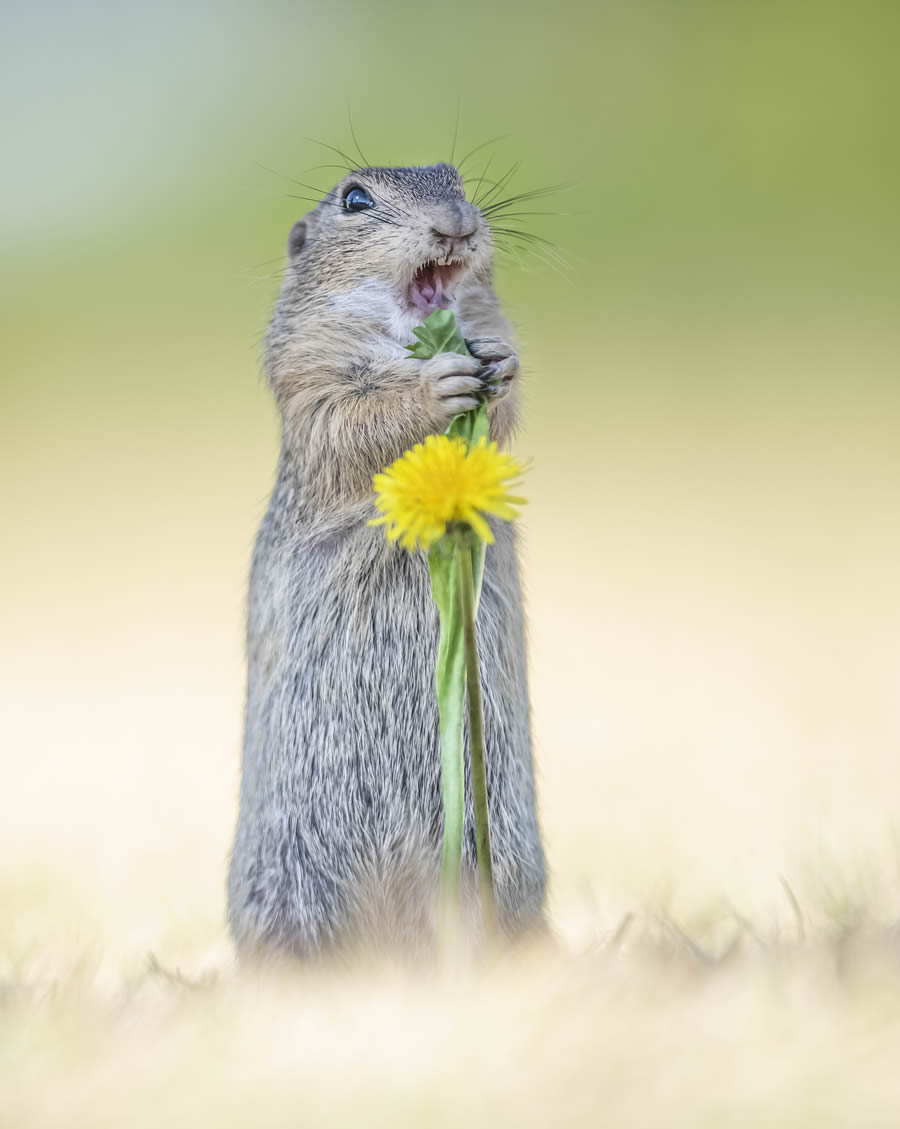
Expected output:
{"points": [[443, 481]]}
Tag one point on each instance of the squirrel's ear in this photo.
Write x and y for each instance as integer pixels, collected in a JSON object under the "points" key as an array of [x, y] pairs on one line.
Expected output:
{"points": [[296, 239]]}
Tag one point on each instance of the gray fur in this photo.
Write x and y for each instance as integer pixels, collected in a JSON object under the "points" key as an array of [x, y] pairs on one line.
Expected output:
{"points": [[339, 832]]}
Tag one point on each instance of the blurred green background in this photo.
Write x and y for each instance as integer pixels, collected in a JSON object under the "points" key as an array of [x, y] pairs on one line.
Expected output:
{"points": [[713, 397]]}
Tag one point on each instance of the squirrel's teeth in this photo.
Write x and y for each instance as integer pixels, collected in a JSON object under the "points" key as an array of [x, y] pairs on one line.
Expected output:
{"points": [[430, 286]]}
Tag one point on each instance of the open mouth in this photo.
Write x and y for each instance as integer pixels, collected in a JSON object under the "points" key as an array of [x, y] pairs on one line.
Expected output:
{"points": [[432, 285]]}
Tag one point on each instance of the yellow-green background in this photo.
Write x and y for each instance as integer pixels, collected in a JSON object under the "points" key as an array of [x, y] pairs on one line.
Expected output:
{"points": [[713, 398]]}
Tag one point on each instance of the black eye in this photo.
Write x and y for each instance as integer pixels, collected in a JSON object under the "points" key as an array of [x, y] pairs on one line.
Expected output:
{"points": [[357, 200]]}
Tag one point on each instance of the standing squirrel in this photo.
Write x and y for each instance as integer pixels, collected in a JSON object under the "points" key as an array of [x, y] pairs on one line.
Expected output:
{"points": [[339, 833]]}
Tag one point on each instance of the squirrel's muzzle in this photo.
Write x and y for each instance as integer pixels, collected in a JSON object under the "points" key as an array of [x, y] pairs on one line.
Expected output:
{"points": [[454, 221]]}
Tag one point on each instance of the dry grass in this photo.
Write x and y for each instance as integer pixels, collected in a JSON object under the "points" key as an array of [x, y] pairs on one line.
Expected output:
{"points": [[643, 1029]]}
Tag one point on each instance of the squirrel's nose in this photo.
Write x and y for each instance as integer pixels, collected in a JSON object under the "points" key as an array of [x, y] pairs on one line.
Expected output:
{"points": [[458, 220]]}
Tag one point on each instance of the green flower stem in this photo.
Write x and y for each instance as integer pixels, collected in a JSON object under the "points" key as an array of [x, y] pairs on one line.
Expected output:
{"points": [[452, 565], [450, 681], [451, 677], [476, 741]]}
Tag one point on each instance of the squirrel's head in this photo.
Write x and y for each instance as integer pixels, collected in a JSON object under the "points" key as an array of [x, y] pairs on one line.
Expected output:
{"points": [[392, 245]]}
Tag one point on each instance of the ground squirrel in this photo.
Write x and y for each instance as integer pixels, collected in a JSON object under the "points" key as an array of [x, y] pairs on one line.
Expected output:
{"points": [[339, 831]]}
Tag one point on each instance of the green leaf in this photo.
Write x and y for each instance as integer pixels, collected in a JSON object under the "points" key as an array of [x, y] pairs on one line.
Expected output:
{"points": [[438, 333], [481, 429]]}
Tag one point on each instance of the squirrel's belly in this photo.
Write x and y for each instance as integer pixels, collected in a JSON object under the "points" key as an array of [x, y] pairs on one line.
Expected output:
{"points": [[348, 674], [340, 797]]}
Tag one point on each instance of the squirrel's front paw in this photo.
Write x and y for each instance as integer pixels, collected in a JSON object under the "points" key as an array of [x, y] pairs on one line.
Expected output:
{"points": [[452, 383], [501, 362]]}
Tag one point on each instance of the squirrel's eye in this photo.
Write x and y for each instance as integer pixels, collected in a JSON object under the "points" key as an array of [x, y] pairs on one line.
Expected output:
{"points": [[357, 200]]}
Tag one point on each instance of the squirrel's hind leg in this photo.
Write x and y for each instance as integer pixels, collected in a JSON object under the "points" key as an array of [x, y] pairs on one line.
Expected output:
{"points": [[283, 900]]}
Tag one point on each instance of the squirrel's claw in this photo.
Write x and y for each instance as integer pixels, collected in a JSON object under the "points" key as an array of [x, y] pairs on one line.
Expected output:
{"points": [[497, 377], [494, 384]]}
